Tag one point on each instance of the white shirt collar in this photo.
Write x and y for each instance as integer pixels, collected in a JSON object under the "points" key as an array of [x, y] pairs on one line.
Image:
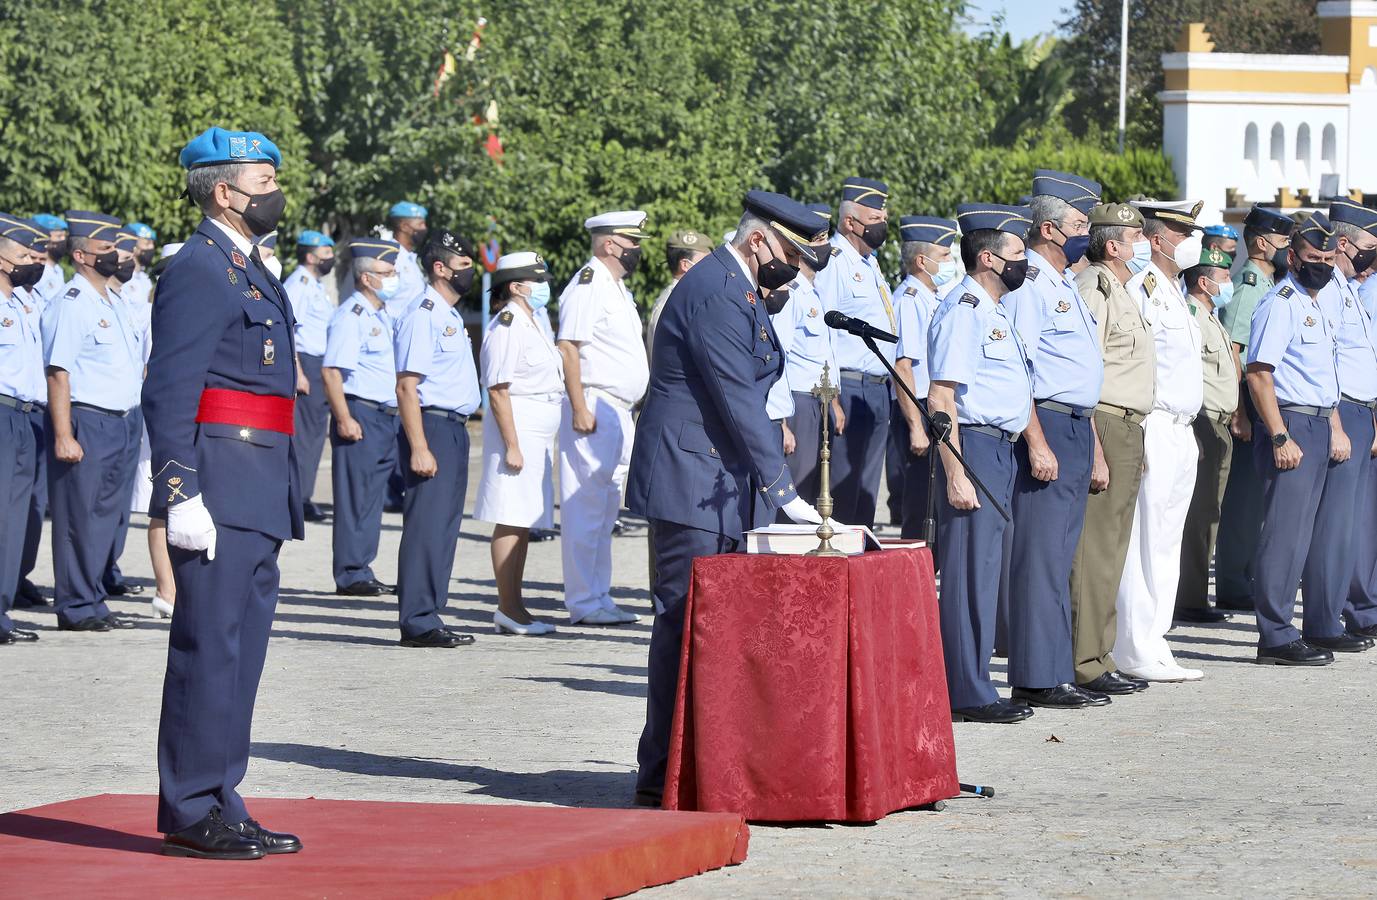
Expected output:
{"points": [[741, 263], [239, 241]]}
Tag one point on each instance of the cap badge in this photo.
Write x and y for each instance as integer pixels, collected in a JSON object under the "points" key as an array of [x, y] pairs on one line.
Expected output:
{"points": [[239, 146]]}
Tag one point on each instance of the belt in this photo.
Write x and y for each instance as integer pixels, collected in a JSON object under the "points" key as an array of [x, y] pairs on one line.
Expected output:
{"points": [[547, 397], [992, 431], [119, 414], [1319, 412], [1121, 412], [863, 377], [1075, 412], [442, 413], [222, 406], [1370, 404], [15, 403], [610, 398], [1177, 418], [373, 404], [1220, 418]]}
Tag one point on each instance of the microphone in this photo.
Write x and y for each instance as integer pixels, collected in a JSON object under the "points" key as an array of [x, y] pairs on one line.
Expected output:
{"points": [[859, 327], [941, 424]]}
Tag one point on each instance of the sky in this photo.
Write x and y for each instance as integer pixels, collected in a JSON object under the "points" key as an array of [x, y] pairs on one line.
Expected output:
{"points": [[1023, 18]]}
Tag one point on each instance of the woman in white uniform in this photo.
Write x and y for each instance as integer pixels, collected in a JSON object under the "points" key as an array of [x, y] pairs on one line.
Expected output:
{"points": [[524, 377]]}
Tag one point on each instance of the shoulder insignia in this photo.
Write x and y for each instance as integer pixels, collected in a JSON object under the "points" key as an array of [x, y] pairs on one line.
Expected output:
{"points": [[1149, 283], [1286, 291], [506, 317], [793, 285], [836, 251], [586, 275], [238, 259], [358, 309], [73, 292], [1032, 273], [427, 303], [1250, 278], [911, 291], [1063, 306], [970, 300]]}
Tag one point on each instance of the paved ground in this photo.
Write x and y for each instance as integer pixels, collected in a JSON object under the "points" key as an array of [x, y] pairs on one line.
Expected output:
{"points": [[1254, 781]]}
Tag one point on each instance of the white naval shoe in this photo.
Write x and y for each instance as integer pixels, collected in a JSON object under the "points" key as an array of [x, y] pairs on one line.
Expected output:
{"points": [[162, 607], [627, 616], [603, 616], [504, 624], [1169, 672]]}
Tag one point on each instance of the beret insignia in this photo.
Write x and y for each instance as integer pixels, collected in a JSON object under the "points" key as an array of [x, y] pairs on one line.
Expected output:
{"points": [[586, 275], [1250, 278], [970, 300], [358, 309], [427, 303], [506, 316]]}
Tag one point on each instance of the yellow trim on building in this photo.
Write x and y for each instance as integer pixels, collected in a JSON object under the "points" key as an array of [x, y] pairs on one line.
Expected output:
{"points": [[1257, 82], [1349, 37]]}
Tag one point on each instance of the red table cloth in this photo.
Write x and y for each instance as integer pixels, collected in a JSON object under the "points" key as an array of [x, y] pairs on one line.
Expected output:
{"points": [[811, 689]]}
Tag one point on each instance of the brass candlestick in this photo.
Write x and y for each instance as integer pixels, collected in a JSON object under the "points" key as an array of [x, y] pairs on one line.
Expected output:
{"points": [[826, 392]]}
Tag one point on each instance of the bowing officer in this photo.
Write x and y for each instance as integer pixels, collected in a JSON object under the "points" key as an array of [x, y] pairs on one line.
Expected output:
{"points": [[853, 284], [708, 464], [437, 391], [218, 403], [22, 246], [926, 255], [407, 221], [49, 287], [1266, 235], [360, 380], [1054, 459], [312, 310], [94, 357], [982, 381], [1294, 381]]}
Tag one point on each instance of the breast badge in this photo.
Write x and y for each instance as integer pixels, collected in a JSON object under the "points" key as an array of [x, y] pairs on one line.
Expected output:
{"points": [[269, 352], [450, 331], [6, 323], [1063, 306], [812, 312], [997, 334], [1309, 321], [103, 323], [856, 276], [232, 276], [375, 332]]}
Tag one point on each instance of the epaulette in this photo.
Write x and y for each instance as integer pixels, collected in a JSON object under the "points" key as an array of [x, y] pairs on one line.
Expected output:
{"points": [[1250, 278], [72, 292], [836, 251], [427, 303], [506, 316], [1286, 291], [586, 275], [1032, 273], [358, 309], [910, 291], [1149, 284], [970, 299]]}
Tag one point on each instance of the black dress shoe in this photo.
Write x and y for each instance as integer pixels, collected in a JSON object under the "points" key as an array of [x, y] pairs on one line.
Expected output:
{"points": [[1296, 653], [115, 620], [1370, 632], [91, 624], [463, 639], [312, 513], [1362, 637], [1202, 615], [1108, 683], [15, 636], [28, 596], [1343, 643], [123, 589], [543, 534], [436, 637], [1000, 712], [1234, 604], [384, 588], [1139, 684], [274, 842], [360, 589], [211, 838], [1063, 696]]}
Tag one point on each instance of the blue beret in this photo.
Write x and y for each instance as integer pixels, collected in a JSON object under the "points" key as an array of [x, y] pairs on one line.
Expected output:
{"points": [[866, 192], [376, 248], [1341, 209], [1224, 231], [994, 217], [406, 210], [126, 240], [27, 232], [794, 222], [92, 225], [1318, 232], [50, 222], [216, 146], [930, 229], [1268, 220], [140, 230], [268, 240], [1081, 193], [314, 239]]}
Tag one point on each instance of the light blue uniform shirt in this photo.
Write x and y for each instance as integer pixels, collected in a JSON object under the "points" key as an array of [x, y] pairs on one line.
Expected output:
{"points": [[94, 340], [1060, 334], [312, 309], [854, 285], [431, 342], [973, 343], [49, 287], [359, 344], [914, 306], [1368, 294], [413, 284], [1293, 334], [21, 351], [1357, 355], [139, 288], [807, 345]]}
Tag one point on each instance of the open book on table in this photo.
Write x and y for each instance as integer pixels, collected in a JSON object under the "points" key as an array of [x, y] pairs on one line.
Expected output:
{"points": [[796, 540]]}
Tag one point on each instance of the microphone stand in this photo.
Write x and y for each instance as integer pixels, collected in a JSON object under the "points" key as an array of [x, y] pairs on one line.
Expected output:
{"points": [[940, 435]]}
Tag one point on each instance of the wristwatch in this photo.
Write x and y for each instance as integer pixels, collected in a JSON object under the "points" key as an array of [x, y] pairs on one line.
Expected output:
{"points": [[1279, 440]]}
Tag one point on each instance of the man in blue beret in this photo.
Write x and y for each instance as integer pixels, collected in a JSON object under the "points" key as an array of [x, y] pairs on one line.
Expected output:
{"points": [[312, 309], [22, 245], [49, 287], [708, 463], [1220, 237], [218, 404], [140, 286], [407, 221]]}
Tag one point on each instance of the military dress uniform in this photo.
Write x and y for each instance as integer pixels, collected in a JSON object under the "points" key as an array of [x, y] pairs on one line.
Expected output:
{"points": [[88, 333], [853, 284], [708, 463], [139, 289], [218, 404], [1361, 610], [33, 305], [312, 309], [50, 285], [359, 344], [408, 265]]}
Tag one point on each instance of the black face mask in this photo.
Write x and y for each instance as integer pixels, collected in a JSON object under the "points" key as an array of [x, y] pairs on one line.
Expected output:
{"points": [[124, 271], [58, 249], [106, 264], [145, 258], [462, 280], [874, 234], [1313, 275], [1279, 260], [1362, 260], [263, 211], [324, 266], [26, 275], [630, 259], [418, 238], [1014, 274], [774, 273], [824, 257], [776, 301]]}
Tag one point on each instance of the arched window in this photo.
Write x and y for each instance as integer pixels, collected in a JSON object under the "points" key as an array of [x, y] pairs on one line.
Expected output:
{"points": [[1329, 149], [1303, 150], [1369, 78], [1250, 150], [1277, 152]]}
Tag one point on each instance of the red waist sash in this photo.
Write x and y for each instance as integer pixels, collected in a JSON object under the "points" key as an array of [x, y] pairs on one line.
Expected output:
{"points": [[225, 407]]}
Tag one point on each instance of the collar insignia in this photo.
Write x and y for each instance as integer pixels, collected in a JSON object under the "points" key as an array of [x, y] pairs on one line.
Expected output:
{"points": [[237, 258]]}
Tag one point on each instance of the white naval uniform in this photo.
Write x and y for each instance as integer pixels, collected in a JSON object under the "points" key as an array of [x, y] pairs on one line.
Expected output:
{"points": [[517, 353], [597, 311], [1147, 587]]}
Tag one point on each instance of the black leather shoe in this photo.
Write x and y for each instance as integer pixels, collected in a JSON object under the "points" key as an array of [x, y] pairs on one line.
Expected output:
{"points": [[384, 588], [436, 637], [360, 589], [211, 838], [28, 596], [1370, 632], [1362, 637], [91, 624], [543, 534], [123, 589], [1234, 604], [1296, 653], [1343, 643], [115, 620], [274, 842], [312, 513], [1200, 615], [1000, 712], [1139, 684], [463, 639], [16, 636], [1108, 683], [1063, 696]]}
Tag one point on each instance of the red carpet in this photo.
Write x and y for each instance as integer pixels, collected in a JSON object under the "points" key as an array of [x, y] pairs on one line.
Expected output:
{"points": [[103, 846]]}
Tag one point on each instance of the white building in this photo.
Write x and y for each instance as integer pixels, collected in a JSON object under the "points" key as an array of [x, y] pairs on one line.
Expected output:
{"points": [[1243, 128]]}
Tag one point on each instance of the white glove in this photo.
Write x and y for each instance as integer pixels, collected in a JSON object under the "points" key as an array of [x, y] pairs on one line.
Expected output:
{"points": [[189, 526], [798, 509]]}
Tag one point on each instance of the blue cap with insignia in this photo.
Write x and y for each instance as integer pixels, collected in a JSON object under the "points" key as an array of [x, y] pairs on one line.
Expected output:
{"points": [[822, 210], [376, 248], [1268, 220], [217, 147], [1013, 220], [1342, 209], [50, 222], [126, 240], [628, 223], [310, 238], [1223, 231], [26, 232], [142, 231], [791, 220], [407, 210], [268, 240], [524, 265], [1318, 232], [866, 192], [929, 229], [94, 225], [1080, 193]]}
